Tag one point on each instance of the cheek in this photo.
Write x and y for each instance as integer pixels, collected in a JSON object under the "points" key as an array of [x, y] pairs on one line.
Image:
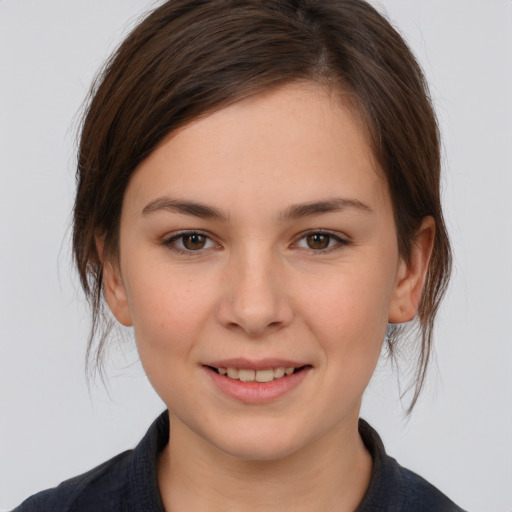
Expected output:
{"points": [[348, 314], [169, 310], [168, 318], [352, 301], [350, 327]]}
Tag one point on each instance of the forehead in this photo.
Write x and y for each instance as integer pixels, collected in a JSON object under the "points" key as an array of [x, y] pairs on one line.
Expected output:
{"points": [[296, 142]]}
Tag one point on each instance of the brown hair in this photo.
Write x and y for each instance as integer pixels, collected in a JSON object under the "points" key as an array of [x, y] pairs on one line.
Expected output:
{"points": [[190, 57]]}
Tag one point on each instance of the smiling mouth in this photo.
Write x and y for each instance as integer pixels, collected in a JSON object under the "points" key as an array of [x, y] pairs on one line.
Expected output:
{"points": [[264, 375]]}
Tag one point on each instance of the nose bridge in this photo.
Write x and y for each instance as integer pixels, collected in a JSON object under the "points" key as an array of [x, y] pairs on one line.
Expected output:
{"points": [[254, 298]]}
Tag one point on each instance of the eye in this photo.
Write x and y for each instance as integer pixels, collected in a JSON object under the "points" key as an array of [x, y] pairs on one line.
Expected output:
{"points": [[320, 241], [188, 242]]}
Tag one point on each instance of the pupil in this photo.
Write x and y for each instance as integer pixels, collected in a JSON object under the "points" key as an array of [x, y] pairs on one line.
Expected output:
{"points": [[194, 241], [318, 241]]}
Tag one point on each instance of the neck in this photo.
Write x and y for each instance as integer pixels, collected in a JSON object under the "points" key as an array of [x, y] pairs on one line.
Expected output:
{"points": [[331, 474]]}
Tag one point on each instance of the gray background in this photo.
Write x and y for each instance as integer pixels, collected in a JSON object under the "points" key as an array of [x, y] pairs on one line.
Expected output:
{"points": [[51, 427]]}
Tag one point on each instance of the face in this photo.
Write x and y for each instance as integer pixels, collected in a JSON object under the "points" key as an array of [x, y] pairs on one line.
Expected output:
{"points": [[259, 241]]}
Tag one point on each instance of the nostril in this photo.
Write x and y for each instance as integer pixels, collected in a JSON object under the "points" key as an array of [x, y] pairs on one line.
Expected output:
{"points": [[254, 315]]}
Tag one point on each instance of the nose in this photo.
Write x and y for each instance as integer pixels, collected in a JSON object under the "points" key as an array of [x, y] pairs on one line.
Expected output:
{"points": [[254, 299]]}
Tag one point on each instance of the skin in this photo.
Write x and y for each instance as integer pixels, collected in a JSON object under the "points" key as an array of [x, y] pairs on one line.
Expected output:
{"points": [[257, 287]]}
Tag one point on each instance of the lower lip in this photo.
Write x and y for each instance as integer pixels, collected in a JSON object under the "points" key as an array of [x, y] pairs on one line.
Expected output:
{"points": [[257, 392]]}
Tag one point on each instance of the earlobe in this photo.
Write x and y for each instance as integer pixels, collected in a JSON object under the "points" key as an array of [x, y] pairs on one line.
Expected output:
{"points": [[411, 276], [113, 287]]}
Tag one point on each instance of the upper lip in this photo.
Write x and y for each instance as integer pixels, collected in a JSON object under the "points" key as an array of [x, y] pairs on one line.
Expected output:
{"points": [[261, 364]]}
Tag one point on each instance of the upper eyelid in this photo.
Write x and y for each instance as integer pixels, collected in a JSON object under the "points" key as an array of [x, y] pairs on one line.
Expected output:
{"points": [[336, 235], [178, 234], [320, 231]]}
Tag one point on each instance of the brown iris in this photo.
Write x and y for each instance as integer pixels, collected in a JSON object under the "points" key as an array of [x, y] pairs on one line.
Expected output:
{"points": [[194, 241], [318, 241]]}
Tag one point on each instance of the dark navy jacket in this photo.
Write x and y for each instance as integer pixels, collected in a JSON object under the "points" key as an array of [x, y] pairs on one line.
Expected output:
{"points": [[128, 482]]}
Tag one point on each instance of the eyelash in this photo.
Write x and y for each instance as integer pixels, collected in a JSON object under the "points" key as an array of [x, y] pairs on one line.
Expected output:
{"points": [[170, 242]]}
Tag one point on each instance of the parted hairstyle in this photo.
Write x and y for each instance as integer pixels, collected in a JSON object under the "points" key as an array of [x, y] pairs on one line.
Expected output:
{"points": [[189, 58]]}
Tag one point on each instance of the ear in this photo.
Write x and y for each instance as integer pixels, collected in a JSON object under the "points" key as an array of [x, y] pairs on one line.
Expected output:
{"points": [[113, 286], [410, 277]]}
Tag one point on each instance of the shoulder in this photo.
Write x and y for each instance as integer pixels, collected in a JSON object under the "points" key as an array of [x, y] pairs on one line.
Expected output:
{"points": [[101, 488], [395, 488], [125, 483], [422, 496]]}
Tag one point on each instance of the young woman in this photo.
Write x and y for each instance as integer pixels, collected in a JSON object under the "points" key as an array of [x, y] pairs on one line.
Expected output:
{"points": [[258, 196]]}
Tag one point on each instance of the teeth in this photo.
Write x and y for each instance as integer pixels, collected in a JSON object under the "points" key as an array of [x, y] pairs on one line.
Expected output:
{"points": [[264, 375], [279, 372], [246, 375], [232, 373]]}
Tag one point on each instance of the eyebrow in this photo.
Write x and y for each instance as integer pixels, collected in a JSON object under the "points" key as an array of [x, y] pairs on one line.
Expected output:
{"points": [[196, 209], [297, 211], [335, 204]]}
